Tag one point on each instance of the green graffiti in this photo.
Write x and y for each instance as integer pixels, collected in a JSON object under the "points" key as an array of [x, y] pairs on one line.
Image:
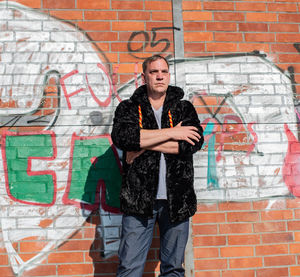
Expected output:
{"points": [[25, 184], [94, 162]]}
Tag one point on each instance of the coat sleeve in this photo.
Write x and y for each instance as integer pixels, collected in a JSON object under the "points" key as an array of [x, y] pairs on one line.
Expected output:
{"points": [[126, 131], [190, 118]]}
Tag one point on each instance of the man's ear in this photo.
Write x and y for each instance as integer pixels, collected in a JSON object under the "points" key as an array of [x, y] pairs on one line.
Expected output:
{"points": [[143, 78]]}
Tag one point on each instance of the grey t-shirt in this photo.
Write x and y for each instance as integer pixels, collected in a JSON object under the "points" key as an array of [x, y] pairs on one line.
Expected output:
{"points": [[162, 189]]}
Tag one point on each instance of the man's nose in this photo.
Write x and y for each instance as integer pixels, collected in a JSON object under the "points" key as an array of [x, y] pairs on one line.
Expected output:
{"points": [[159, 76]]}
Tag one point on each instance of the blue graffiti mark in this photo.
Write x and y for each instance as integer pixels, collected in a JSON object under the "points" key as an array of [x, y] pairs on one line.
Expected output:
{"points": [[212, 178]]}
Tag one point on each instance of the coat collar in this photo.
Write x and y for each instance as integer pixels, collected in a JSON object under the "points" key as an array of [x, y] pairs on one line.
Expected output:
{"points": [[173, 94]]}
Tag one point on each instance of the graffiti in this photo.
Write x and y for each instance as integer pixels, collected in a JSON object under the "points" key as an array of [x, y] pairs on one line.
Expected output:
{"points": [[146, 41], [44, 85], [58, 164]]}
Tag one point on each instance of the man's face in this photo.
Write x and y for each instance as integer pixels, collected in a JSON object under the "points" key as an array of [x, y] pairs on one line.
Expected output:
{"points": [[157, 77]]}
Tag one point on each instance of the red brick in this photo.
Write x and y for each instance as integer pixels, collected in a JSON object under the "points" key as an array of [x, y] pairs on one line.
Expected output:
{"points": [[289, 18], [278, 204], [249, 47], [202, 253], [297, 236], [253, 27], [243, 239], [272, 272], [264, 37], [208, 218], [197, 16], [237, 251], [127, 26], [151, 266], [194, 47], [221, 47], [287, 37], [228, 36], [261, 17], [75, 269], [67, 15], [258, 7], [297, 214], [193, 26], [282, 7], [198, 36], [279, 260], [295, 248], [191, 5], [100, 15], [235, 206], [209, 241], [235, 228], [295, 271], [103, 36], [67, 257], [293, 203], [211, 264], [3, 260], [276, 215], [277, 237], [206, 208], [42, 270], [35, 4], [238, 273], [209, 273], [205, 229], [245, 262], [221, 26], [158, 5], [274, 249], [91, 4], [269, 227], [162, 16], [94, 25], [228, 16], [219, 6], [248, 216], [75, 245], [289, 58], [293, 225], [156, 24], [128, 15], [63, 4], [7, 271]]}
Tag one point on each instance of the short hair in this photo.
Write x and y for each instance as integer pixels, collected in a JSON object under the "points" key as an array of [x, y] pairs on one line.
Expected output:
{"points": [[153, 59]]}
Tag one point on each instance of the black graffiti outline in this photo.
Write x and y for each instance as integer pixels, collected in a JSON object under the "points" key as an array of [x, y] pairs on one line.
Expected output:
{"points": [[153, 41]]}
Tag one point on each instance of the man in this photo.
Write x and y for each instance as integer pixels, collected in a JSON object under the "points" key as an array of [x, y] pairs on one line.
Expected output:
{"points": [[158, 133]]}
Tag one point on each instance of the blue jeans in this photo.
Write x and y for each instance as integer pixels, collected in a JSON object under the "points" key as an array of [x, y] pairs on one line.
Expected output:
{"points": [[136, 239]]}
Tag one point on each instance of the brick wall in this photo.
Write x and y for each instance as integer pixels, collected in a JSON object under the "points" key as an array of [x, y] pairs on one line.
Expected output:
{"points": [[65, 65]]}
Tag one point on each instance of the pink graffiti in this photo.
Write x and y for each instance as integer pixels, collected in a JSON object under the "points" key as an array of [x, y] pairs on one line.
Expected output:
{"points": [[291, 166], [106, 102], [255, 138]]}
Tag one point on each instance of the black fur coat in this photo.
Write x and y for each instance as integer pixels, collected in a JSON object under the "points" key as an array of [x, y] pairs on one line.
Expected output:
{"points": [[140, 179]]}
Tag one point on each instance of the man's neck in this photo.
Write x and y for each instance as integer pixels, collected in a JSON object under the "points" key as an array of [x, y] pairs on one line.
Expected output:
{"points": [[156, 100]]}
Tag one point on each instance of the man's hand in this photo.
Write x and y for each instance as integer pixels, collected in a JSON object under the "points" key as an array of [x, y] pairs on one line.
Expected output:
{"points": [[131, 155], [187, 133]]}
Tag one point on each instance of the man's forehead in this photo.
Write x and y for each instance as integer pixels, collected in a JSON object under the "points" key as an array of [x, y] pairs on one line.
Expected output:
{"points": [[160, 63]]}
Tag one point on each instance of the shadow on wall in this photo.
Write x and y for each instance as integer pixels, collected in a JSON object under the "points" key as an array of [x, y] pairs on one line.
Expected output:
{"points": [[101, 195]]}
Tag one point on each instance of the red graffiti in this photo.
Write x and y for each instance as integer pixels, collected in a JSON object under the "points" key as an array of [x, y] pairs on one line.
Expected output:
{"points": [[291, 166]]}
